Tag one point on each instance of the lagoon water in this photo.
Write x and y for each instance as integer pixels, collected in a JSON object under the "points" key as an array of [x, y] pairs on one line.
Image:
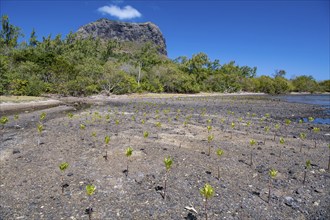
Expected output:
{"points": [[322, 100]]}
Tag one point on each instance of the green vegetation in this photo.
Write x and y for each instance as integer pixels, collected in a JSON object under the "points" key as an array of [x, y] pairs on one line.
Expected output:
{"points": [[70, 65], [90, 190], [106, 141], [272, 174], [40, 128], [219, 153], [63, 166], [128, 153], [207, 192], [3, 121], [252, 143], [168, 164], [308, 166]]}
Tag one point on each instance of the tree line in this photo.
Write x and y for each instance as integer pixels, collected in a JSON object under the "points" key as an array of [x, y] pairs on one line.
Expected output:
{"points": [[74, 66]]}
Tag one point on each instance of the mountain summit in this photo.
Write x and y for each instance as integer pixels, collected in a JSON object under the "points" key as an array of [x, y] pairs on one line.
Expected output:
{"points": [[125, 31]]}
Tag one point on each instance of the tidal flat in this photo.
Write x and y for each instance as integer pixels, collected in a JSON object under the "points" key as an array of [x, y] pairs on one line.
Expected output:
{"points": [[180, 127]]}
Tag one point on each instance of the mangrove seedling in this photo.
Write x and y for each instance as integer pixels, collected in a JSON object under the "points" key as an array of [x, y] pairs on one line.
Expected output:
{"points": [[310, 119], [209, 128], [145, 134], [3, 121], [252, 143], [40, 129], [315, 130], [209, 140], [106, 141], [128, 153], [90, 190], [219, 154], [63, 166], [207, 192], [282, 141], [232, 127], [277, 127], [158, 125], [302, 137], [16, 117], [168, 164], [42, 117], [266, 131], [308, 165], [94, 137], [272, 174]]}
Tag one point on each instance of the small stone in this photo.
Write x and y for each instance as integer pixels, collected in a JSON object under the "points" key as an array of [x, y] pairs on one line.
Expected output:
{"points": [[16, 151], [70, 174]]}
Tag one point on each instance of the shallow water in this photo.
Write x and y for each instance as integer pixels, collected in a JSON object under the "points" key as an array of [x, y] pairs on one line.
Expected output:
{"points": [[321, 100]]}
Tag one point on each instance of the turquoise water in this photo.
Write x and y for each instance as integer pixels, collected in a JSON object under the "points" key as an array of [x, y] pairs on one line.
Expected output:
{"points": [[321, 100]]}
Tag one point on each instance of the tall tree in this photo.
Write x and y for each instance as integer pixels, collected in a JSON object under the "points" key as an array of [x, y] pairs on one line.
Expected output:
{"points": [[33, 39], [9, 33]]}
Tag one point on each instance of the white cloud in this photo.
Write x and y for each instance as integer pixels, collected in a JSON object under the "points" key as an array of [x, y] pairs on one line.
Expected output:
{"points": [[127, 12]]}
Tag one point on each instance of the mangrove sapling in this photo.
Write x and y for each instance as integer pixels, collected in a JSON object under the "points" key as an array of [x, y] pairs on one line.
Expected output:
{"points": [[308, 165], [93, 138], [168, 164], [90, 190], [40, 129], [106, 141], [315, 130], [209, 140], [63, 166], [207, 192], [158, 125], [287, 123], [219, 154], [42, 117], [276, 128], [310, 119], [128, 153], [209, 128], [272, 174], [232, 127], [302, 137], [266, 129], [252, 143], [145, 134], [16, 117], [282, 141], [3, 120]]}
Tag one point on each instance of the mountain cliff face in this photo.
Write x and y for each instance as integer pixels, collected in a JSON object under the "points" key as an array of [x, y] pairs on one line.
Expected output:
{"points": [[124, 31]]}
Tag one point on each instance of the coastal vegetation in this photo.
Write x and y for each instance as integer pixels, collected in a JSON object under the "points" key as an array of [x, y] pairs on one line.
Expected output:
{"points": [[69, 65]]}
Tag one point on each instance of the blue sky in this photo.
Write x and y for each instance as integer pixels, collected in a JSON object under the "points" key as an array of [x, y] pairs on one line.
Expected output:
{"points": [[285, 34]]}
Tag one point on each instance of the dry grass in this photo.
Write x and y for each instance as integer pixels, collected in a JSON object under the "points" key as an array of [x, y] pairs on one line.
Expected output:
{"points": [[18, 99]]}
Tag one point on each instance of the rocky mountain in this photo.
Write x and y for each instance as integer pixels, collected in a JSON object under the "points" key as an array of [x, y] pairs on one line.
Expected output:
{"points": [[124, 31]]}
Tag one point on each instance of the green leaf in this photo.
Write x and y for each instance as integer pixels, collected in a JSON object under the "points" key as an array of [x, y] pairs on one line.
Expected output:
{"points": [[302, 136], [42, 116], [220, 152], [252, 142], [310, 119], [107, 139], [40, 128], [207, 191], [168, 163], [273, 173], [82, 126], [70, 115], [63, 166], [210, 138], [282, 141], [90, 189], [145, 134], [3, 120], [129, 151], [308, 164], [316, 130]]}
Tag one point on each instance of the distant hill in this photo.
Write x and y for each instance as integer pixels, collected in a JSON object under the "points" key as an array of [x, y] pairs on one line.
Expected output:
{"points": [[125, 31]]}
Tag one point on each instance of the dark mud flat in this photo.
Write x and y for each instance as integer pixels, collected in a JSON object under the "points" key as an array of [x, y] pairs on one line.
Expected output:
{"points": [[31, 181]]}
